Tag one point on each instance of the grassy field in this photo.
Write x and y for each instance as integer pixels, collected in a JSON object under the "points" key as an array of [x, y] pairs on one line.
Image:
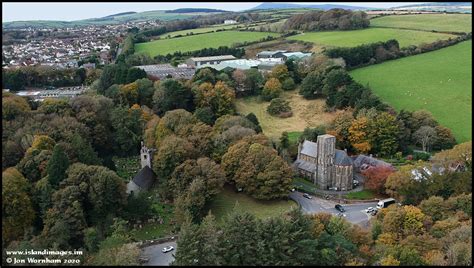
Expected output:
{"points": [[361, 195], [438, 81], [304, 184], [370, 35], [306, 113], [293, 136], [226, 200], [438, 22], [197, 42]]}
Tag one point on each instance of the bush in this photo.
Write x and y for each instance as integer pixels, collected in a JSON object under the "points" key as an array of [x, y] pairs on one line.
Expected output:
{"points": [[421, 156], [279, 107], [288, 84]]}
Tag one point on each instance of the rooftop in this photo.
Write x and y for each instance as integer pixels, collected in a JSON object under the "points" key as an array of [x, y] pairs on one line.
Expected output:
{"points": [[211, 58]]}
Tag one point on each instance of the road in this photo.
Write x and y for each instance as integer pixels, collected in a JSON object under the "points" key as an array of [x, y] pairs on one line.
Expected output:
{"points": [[354, 212], [156, 257]]}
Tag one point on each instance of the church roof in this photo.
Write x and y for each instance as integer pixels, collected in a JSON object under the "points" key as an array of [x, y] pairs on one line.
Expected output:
{"points": [[305, 165], [342, 159], [370, 161], [309, 148], [145, 178]]}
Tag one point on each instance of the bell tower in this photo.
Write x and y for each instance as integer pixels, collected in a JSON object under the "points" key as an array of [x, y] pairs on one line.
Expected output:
{"points": [[145, 156]]}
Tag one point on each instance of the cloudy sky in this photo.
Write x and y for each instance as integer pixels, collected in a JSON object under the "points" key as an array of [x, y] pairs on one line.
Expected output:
{"points": [[77, 11]]}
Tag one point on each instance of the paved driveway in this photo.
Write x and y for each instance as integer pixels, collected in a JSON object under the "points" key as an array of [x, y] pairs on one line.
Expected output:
{"points": [[156, 257], [354, 212]]}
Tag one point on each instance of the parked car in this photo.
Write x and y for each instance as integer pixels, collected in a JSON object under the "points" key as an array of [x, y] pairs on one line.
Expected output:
{"points": [[340, 208], [307, 196], [167, 249], [341, 214], [374, 212], [355, 183], [369, 210]]}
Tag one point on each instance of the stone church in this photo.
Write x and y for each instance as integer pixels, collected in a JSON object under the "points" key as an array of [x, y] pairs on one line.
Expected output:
{"points": [[145, 178], [326, 166]]}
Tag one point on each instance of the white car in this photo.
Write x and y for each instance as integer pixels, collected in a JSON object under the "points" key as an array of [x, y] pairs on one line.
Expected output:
{"points": [[369, 210], [307, 196], [167, 249]]}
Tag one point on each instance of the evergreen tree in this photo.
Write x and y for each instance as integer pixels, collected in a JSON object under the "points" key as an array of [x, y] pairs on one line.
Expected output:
{"points": [[57, 166], [84, 151]]}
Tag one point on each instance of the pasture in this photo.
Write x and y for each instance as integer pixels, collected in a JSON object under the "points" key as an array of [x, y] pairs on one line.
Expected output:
{"points": [[439, 81], [197, 42], [306, 113], [224, 202], [428, 22], [369, 35]]}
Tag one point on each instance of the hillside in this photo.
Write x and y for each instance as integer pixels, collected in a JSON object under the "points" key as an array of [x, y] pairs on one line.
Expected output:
{"points": [[292, 6]]}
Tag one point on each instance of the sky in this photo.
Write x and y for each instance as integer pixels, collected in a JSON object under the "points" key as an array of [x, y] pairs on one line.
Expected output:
{"points": [[84, 10]]}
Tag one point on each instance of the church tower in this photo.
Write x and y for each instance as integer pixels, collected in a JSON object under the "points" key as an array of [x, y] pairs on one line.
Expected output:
{"points": [[145, 156], [326, 147]]}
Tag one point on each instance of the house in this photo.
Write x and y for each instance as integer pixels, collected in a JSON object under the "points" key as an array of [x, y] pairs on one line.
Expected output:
{"points": [[145, 178], [326, 166], [230, 22], [211, 60], [363, 162]]}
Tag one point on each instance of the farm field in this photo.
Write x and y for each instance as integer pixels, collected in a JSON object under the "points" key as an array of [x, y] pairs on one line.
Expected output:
{"points": [[370, 35], [197, 42], [306, 113], [227, 199], [438, 81], [438, 22]]}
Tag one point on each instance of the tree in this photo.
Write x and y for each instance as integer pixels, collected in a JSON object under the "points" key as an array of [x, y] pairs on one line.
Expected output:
{"points": [[389, 261], [55, 106], [128, 129], [288, 84], [376, 177], [83, 151], [284, 141], [445, 138], [272, 89], [204, 169], [425, 136], [17, 209], [170, 95], [312, 85], [384, 133], [239, 78], [280, 72], [134, 74], [57, 166], [253, 118], [258, 170], [253, 80], [171, 153], [205, 115], [359, 136], [219, 97], [434, 207]]}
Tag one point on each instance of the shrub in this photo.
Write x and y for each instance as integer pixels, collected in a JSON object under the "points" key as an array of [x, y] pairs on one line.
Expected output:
{"points": [[279, 107]]}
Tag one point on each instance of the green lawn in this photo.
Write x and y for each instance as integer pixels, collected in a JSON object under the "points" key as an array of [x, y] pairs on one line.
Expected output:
{"points": [[370, 35], [197, 42], [226, 200], [294, 136], [304, 184], [439, 81], [438, 22], [364, 194], [200, 30]]}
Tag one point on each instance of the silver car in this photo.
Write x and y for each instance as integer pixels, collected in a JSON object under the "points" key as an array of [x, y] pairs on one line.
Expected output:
{"points": [[167, 249]]}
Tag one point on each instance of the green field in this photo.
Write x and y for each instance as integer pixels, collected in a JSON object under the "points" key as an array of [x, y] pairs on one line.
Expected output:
{"points": [[197, 42], [438, 81], [370, 35], [226, 200], [361, 195], [438, 22]]}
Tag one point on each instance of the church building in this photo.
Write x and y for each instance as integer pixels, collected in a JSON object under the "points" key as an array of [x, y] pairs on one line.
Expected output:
{"points": [[145, 178], [326, 166]]}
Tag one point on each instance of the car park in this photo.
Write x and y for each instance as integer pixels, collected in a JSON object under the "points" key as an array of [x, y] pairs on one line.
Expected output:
{"points": [[167, 249], [340, 208], [307, 196]]}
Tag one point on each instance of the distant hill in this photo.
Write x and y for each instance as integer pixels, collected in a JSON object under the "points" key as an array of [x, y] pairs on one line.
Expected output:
{"points": [[463, 7], [111, 19], [195, 10], [120, 14], [290, 6]]}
